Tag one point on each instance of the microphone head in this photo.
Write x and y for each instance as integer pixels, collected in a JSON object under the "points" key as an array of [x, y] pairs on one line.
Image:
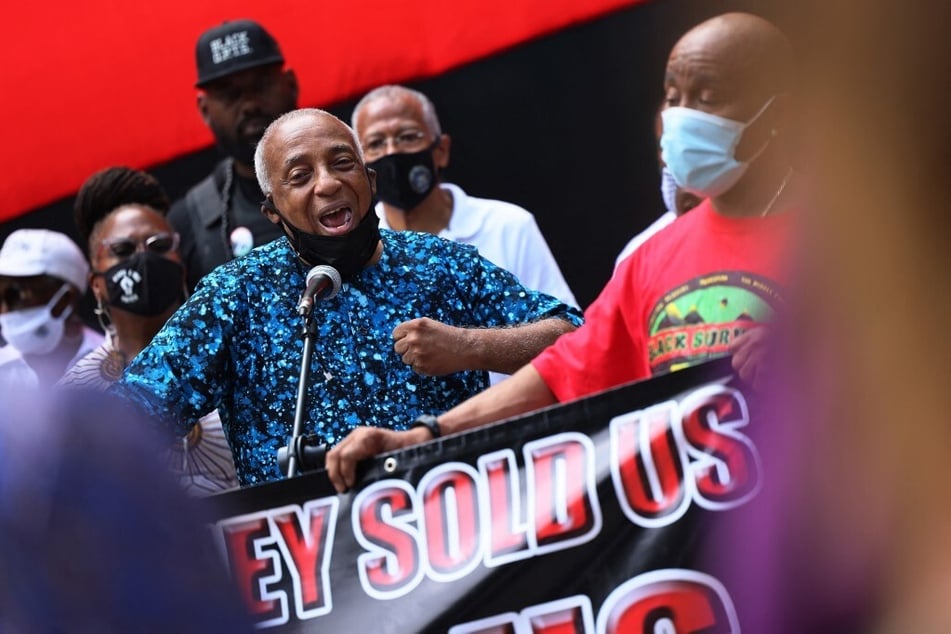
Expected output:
{"points": [[332, 274]]}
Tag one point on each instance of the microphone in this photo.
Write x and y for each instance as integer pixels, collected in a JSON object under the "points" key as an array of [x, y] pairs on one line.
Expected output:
{"points": [[323, 282]]}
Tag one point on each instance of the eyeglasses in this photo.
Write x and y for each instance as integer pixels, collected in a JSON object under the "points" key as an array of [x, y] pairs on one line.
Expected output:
{"points": [[160, 244], [375, 147]]}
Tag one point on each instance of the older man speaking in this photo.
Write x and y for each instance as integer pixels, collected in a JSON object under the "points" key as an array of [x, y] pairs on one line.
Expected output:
{"points": [[415, 327]]}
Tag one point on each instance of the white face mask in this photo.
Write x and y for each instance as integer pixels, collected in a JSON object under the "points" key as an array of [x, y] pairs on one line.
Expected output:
{"points": [[698, 149], [36, 330]]}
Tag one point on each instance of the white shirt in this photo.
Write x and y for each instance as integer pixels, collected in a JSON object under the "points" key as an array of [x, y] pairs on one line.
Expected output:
{"points": [[506, 235], [16, 372], [642, 237]]}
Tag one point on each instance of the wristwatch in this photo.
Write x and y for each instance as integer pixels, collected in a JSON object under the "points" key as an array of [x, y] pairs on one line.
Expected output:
{"points": [[429, 422]]}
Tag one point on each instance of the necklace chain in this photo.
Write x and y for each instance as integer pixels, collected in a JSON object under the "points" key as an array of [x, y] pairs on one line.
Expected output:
{"points": [[779, 192]]}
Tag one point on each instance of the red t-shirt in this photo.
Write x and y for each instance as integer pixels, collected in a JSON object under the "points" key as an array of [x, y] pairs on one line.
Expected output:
{"points": [[679, 299]]}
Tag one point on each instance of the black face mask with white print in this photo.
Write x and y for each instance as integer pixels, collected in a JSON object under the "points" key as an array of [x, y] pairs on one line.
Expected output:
{"points": [[145, 284]]}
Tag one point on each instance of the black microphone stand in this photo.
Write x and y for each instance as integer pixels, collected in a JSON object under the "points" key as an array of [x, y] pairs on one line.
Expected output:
{"points": [[305, 453], [302, 450]]}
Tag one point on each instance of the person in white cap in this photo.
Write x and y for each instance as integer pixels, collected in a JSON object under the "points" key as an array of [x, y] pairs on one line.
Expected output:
{"points": [[43, 276]]}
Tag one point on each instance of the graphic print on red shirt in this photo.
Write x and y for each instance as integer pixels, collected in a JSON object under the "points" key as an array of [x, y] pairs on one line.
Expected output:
{"points": [[701, 318]]}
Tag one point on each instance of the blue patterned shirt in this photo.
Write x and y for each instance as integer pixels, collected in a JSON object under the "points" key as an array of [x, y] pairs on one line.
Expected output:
{"points": [[236, 345]]}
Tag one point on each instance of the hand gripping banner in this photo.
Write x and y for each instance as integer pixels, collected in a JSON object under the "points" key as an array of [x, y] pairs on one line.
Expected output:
{"points": [[584, 517]]}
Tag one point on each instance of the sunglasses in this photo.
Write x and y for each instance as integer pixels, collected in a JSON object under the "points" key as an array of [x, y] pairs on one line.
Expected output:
{"points": [[160, 244], [27, 291]]}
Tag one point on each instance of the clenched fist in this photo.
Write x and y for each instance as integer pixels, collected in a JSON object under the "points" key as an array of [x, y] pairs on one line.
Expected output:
{"points": [[432, 348]]}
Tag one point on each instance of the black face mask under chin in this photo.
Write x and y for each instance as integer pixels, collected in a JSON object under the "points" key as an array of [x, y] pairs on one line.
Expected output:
{"points": [[404, 180], [348, 253]]}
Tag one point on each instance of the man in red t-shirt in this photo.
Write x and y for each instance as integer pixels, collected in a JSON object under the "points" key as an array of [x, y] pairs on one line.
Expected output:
{"points": [[695, 289], [683, 297]]}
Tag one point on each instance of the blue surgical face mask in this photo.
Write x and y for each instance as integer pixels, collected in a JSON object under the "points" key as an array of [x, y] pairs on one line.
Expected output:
{"points": [[698, 149]]}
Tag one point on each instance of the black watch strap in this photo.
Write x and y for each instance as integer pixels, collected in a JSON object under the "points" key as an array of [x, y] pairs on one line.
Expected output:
{"points": [[429, 422]]}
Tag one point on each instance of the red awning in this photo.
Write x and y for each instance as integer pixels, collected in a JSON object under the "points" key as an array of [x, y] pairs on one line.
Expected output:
{"points": [[98, 83]]}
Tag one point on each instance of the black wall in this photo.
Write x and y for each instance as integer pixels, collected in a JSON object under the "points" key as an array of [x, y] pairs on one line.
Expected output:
{"points": [[562, 126]]}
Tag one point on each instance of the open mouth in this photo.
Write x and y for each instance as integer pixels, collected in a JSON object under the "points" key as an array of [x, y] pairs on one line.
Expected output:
{"points": [[337, 220]]}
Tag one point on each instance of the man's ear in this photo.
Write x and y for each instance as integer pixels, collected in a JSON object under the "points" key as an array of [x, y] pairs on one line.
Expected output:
{"points": [[771, 127], [291, 78], [441, 153], [202, 101], [783, 107], [371, 176], [270, 210]]}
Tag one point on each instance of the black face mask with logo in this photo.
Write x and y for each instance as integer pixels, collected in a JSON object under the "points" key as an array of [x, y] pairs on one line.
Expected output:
{"points": [[145, 284], [404, 180], [348, 253]]}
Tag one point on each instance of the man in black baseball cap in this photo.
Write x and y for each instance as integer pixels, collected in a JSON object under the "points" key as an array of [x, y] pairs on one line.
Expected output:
{"points": [[243, 86]]}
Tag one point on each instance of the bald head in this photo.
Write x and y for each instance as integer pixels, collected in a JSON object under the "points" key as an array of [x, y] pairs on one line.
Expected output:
{"points": [[752, 51], [390, 94]]}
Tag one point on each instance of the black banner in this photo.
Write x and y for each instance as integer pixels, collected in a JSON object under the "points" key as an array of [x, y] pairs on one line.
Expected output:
{"points": [[584, 517]]}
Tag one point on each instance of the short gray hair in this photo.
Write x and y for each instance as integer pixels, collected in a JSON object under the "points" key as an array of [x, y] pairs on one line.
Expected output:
{"points": [[260, 165], [392, 91]]}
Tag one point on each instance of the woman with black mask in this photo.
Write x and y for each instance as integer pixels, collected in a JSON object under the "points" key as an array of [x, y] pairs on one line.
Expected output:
{"points": [[138, 281]]}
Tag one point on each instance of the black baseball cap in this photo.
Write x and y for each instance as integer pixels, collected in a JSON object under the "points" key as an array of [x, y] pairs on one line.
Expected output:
{"points": [[232, 47]]}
